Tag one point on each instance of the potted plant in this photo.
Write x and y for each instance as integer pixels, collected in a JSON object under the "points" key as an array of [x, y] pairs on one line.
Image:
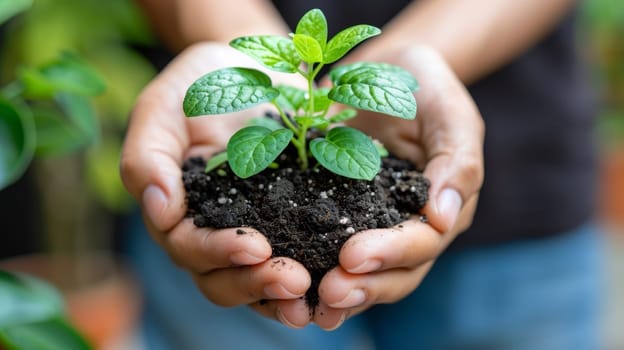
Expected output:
{"points": [[295, 174], [47, 110]]}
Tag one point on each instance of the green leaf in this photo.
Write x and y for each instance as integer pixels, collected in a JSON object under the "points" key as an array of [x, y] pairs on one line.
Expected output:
{"points": [[313, 24], [10, 8], [70, 127], [67, 73], [81, 113], [215, 161], [266, 122], [316, 122], [383, 152], [370, 89], [308, 48], [347, 152], [346, 40], [291, 98], [52, 334], [275, 52], [17, 142], [56, 135], [343, 115], [387, 68], [252, 149], [321, 101], [228, 90], [25, 299]]}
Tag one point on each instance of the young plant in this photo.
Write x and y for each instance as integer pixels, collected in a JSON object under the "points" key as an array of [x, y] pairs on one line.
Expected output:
{"points": [[377, 87]]}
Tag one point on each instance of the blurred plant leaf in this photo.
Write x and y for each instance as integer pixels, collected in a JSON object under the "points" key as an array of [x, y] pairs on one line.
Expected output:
{"points": [[67, 73], [17, 142], [290, 98], [10, 8], [55, 134], [267, 122], [51, 334], [81, 113], [25, 299]]}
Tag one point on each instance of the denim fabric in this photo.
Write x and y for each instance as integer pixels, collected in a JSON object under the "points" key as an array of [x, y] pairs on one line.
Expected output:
{"points": [[537, 294]]}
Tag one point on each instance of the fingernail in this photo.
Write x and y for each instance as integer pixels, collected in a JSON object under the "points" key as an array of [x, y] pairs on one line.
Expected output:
{"points": [[154, 203], [449, 203], [356, 297], [284, 320], [339, 323], [245, 258], [277, 291], [369, 265]]}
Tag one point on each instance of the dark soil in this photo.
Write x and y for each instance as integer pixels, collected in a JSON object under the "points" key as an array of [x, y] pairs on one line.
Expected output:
{"points": [[308, 214]]}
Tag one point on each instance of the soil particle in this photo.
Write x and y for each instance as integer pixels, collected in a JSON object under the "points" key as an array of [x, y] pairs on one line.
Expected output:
{"points": [[308, 214]]}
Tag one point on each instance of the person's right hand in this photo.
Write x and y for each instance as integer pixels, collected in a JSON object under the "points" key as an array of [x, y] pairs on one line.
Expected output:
{"points": [[230, 269]]}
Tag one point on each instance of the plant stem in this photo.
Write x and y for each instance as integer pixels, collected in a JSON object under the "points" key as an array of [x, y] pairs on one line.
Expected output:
{"points": [[297, 140], [301, 141], [302, 148], [285, 118]]}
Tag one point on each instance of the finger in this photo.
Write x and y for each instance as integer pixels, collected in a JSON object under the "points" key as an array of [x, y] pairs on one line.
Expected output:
{"points": [[329, 318], [406, 245], [159, 135], [293, 313], [452, 134], [155, 143], [202, 250], [277, 278], [341, 290]]}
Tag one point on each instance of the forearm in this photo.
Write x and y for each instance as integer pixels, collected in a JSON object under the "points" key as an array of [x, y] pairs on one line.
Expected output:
{"points": [[475, 37], [184, 22]]}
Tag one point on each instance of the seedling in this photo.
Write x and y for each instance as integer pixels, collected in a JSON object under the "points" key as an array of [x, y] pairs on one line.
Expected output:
{"points": [[377, 87]]}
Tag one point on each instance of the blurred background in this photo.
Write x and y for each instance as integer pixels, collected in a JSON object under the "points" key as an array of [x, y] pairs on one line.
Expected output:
{"points": [[62, 218]]}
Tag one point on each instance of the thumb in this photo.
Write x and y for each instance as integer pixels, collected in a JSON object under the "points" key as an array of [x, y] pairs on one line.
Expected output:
{"points": [[455, 184], [150, 163]]}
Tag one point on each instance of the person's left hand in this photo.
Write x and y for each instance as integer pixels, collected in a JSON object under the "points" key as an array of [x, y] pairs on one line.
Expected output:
{"points": [[446, 140]]}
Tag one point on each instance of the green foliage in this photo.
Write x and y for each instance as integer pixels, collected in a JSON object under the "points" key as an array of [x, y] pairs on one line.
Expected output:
{"points": [[51, 334], [10, 8], [228, 90], [376, 87], [602, 26], [32, 316], [47, 111], [252, 149], [346, 40], [106, 34], [347, 152], [17, 141], [25, 299], [51, 108], [273, 51], [67, 73], [366, 88], [314, 25]]}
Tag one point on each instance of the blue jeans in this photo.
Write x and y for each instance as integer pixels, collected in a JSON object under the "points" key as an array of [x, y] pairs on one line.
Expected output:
{"points": [[536, 294]]}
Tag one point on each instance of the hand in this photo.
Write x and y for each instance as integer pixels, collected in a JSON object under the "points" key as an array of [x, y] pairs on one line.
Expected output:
{"points": [[446, 140], [229, 269]]}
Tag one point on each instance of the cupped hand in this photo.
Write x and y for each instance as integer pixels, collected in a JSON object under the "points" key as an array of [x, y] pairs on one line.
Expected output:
{"points": [[446, 141], [230, 269]]}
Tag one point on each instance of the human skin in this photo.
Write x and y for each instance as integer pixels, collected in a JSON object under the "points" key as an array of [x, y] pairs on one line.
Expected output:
{"points": [[233, 269], [445, 140]]}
